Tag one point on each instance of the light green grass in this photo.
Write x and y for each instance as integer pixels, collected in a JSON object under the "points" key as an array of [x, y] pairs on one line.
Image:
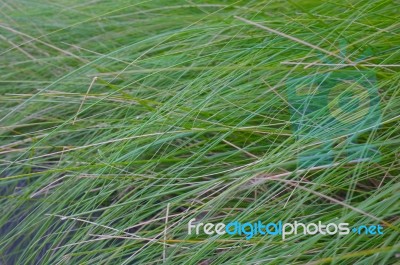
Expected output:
{"points": [[189, 109]]}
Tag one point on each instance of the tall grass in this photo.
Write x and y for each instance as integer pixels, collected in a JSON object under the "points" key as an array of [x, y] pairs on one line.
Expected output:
{"points": [[122, 120]]}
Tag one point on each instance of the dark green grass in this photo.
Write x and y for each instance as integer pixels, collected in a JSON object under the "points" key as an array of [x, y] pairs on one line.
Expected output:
{"points": [[189, 109]]}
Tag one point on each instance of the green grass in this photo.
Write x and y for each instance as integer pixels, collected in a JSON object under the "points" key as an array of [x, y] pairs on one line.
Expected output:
{"points": [[189, 117]]}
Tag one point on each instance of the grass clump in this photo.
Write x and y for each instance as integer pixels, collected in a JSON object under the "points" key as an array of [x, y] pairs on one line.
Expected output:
{"points": [[117, 116]]}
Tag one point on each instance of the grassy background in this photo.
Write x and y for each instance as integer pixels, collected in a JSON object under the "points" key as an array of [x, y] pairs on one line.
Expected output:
{"points": [[118, 114]]}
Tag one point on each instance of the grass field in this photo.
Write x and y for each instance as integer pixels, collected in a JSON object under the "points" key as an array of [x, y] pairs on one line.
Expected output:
{"points": [[122, 120]]}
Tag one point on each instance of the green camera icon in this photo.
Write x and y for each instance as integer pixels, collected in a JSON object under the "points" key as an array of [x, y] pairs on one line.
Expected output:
{"points": [[330, 111]]}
